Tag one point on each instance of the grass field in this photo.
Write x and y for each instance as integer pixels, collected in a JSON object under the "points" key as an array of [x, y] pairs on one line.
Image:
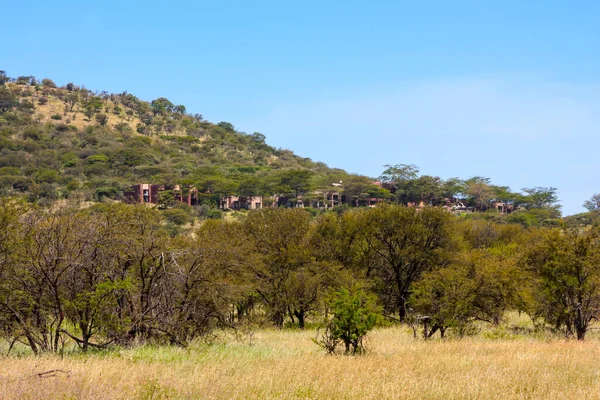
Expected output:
{"points": [[287, 364]]}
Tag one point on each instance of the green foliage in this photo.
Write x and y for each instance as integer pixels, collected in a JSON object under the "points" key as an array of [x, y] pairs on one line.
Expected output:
{"points": [[107, 191], [214, 214], [567, 279], [593, 204], [355, 313], [48, 83], [102, 119], [405, 243], [176, 216], [7, 99]]}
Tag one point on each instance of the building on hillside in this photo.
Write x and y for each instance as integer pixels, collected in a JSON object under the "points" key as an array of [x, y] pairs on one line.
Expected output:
{"points": [[143, 193], [241, 202], [503, 208], [146, 193], [191, 198]]}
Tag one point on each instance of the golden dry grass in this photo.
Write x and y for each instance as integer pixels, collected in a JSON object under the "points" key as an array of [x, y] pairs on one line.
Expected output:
{"points": [[287, 364]]}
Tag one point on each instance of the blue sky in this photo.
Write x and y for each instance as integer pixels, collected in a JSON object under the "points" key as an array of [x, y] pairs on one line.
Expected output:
{"points": [[504, 89]]}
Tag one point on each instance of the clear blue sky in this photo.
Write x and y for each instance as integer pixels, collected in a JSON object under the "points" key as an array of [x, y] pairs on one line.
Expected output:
{"points": [[504, 89]]}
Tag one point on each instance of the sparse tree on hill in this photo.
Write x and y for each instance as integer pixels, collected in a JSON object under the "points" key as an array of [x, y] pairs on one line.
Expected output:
{"points": [[48, 83], [102, 119], [3, 77], [593, 204]]}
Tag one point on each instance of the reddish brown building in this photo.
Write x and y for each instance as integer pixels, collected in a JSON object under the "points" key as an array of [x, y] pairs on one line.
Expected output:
{"points": [[146, 193]]}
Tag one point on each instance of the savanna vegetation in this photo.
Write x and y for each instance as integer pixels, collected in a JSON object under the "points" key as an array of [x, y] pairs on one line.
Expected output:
{"points": [[180, 302], [66, 143], [115, 274]]}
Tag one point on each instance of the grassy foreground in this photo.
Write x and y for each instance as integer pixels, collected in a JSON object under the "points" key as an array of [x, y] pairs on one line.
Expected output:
{"points": [[287, 364]]}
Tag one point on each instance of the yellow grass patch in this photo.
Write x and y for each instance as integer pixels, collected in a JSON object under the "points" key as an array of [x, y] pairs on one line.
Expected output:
{"points": [[287, 364]]}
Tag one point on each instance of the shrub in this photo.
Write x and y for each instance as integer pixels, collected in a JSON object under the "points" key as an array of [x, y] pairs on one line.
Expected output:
{"points": [[354, 314], [214, 214], [107, 191], [177, 216], [102, 119], [48, 83], [97, 159], [56, 117]]}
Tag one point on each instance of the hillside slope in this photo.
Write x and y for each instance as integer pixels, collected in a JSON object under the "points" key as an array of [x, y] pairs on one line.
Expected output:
{"points": [[66, 142]]}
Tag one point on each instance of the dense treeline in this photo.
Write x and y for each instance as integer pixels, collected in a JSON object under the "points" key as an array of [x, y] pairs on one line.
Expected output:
{"points": [[112, 273]]}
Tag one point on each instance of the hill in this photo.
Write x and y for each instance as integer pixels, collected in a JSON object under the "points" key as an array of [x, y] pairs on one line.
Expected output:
{"points": [[69, 142]]}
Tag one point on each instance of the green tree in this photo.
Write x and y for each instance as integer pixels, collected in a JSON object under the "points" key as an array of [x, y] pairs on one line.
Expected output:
{"points": [[593, 204], [565, 263], [161, 106], [102, 119], [294, 182], [3, 77], [480, 192], [406, 242], [210, 272], [92, 106], [48, 83], [542, 197], [355, 313], [279, 237], [398, 179], [479, 284], [7, 99]]}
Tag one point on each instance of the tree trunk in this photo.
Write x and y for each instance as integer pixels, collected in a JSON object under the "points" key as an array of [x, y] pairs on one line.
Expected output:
{"points": [[300, 314], [401, 309]]}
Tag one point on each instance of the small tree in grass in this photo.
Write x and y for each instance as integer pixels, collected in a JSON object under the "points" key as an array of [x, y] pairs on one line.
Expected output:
{"points": [[354, 314]]}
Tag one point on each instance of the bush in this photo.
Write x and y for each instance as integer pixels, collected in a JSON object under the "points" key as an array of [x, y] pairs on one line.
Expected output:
{"points": [[177, 216], [102, 119], [48, 83], [214, 214], [57, 117], [107, 191], [354, 314], [97, 159]]}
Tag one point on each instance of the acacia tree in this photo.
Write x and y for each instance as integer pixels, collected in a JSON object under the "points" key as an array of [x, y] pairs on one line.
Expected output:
{"points": [[406, 242], [593, 204], [479, 284], [93, 288], [207, 274], [12, 324], [479, 191], [140, 250], [38, 290], [279, 239], [566, 265], [398, 178], [340, 238]]}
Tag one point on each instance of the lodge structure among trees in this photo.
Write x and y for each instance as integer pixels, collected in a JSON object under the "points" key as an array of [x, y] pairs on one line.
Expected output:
{"points": [[147, 193]]}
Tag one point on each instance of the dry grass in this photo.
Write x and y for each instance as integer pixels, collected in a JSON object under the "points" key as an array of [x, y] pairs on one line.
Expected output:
{"points": [[286, 364]]}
